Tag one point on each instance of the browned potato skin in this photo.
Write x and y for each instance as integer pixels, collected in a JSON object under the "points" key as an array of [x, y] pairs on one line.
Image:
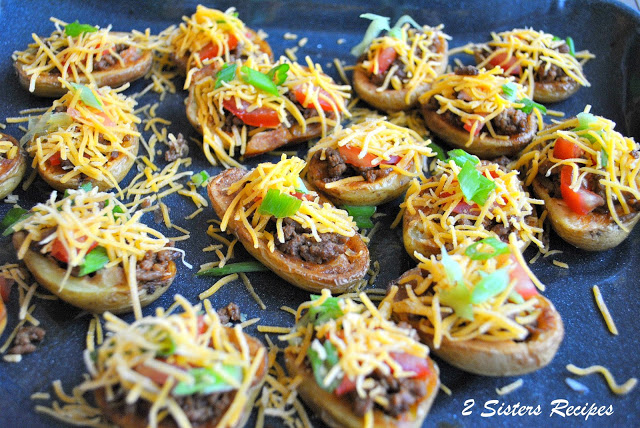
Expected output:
{"points": [[383, 190], [135, 420], [118, 167], [47, 85], [486, 147], [340, 275], [591, 232], [500, 358], [3, 316], [107, 290], [337, 412], [12, 172], [394, 100]]}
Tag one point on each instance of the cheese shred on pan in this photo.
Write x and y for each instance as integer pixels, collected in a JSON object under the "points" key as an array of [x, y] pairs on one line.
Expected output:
{"points": [[623, 389], [307, 85], [8, 150], [478, 99], [318, 217], [451, 220], [90, 137], [503, 316], [418, 52], [608, 156], [76, 57], [385, 141]]}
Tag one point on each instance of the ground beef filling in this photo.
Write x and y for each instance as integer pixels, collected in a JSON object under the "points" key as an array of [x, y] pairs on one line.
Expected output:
{"points": [[26, 340], [299, 243], [178, 149], [109, 60], [230, 313], [335, 168], [153, 270]]}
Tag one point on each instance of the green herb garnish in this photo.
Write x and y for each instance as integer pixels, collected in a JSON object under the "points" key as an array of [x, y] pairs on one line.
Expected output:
{"points": [[240, 267], [226, 74], [279, 205], [75, 29], [259, 80], [475, 186], [87, 96], [497, 248]]}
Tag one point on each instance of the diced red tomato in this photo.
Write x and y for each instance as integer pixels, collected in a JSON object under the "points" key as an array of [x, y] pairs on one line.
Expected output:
{"points": [[301, 91], [260, 117], [59, 251], [565, 149], [524, 286], [386, 57], [501, 60], [211, 49], [5, 288], [202, 326], [350, 155], [463, 207], [346, 386], [55, 159], [468, 126], [581, 202], [158, 377], [303, 196], [411, 363]]}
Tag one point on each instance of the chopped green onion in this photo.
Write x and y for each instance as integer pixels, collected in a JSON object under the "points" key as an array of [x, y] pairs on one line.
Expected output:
{"points": [[208, 380], [572, 48], [13, 216], [489, 286], [516, 298], [328, 310], [361, 215], [556, 39], [75, 29], [497, 248], [241, 267], [439, 151], [585, 120], [404, 19], [604, 157], [278, 74], [259, 80], [200, 179], [509, 90], [452, 268], [300, 187], [87, 96], [475, 186], [59, 120], [460, 157], [279, 205], [363, 222], [459, 299], [529, 105], [95, 260], [86, 186], [167, 345], [321, 367], [226, 74], [377, 26]]}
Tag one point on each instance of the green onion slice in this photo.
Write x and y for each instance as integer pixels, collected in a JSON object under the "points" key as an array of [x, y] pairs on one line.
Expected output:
{"points": [[509, 90], [459, 299], [13, 216], [208, 380], [95, 260], [87, 96], [490, 286], [279, 205], [226, 74], [361, 215], [497, 248], [377, 26], [460, 157], [452, 268], [529, 105], [475, 186], [241, 267], [259, 80], [328, 310], [300, 187], [404, 19], [439, 151], [585, 120], [572, 47], [200, 179], [278, 74], [321, 367], [75, 29]]}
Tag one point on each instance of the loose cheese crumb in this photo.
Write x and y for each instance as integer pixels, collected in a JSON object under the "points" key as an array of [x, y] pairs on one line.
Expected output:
{"points": [[623, 389], [508, 389], [604, 310]]}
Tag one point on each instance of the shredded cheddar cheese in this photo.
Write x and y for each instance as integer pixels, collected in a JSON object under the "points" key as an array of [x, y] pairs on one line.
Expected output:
{"points": [[623, 389], [602, 306], [8, 150]]}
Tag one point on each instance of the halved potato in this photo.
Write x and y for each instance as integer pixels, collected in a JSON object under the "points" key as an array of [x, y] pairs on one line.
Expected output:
{"points": [[494, 358], [47, 85], [11, 170], [339, 275], [337, 412], [591, 232], [126, 419], [119, 168], [484, 146], [392, 100], [106, 290], [384, 189]]}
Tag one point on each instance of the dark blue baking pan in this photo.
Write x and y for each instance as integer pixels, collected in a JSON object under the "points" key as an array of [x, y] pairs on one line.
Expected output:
{"points": [[608, 29]]}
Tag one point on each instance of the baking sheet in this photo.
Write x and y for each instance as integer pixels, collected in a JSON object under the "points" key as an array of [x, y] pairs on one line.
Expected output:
{"points": [[609, 30]]}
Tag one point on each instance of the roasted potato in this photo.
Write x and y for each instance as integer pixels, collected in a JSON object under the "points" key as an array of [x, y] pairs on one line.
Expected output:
{"points": [[11, 170]]}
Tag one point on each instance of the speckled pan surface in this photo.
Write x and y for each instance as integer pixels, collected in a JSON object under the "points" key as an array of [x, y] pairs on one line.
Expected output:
{"points": [[609, 30]]}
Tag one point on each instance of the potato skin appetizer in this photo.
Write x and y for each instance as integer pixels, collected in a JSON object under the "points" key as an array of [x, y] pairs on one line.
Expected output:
{"points": [[394, 70], [494, 349], [337, 264], [598, 210], [521, 53], [79, 50], [349, 174], [336, 402], [13, 164], [460, 105]]}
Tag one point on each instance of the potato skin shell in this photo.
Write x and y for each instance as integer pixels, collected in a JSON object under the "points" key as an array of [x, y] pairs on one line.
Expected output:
{"points": [[591, 232], [337, 413], [3, 316], [383, 190], [340, 275], [134, 420], [12, 173], [394, 100], [107, 290], [485, 148], [47, 85], [500, 358]]}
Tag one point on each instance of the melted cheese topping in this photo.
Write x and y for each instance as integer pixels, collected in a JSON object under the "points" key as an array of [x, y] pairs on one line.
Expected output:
{"points": [[314, 215], [365, 339], [534, 50], [75, 57], [384, 140], [619, 178], [435, 200], [8, 150], [476, 99], [413, 49], [317, 88], [86, 136], [496, 319], [127, 358]]}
